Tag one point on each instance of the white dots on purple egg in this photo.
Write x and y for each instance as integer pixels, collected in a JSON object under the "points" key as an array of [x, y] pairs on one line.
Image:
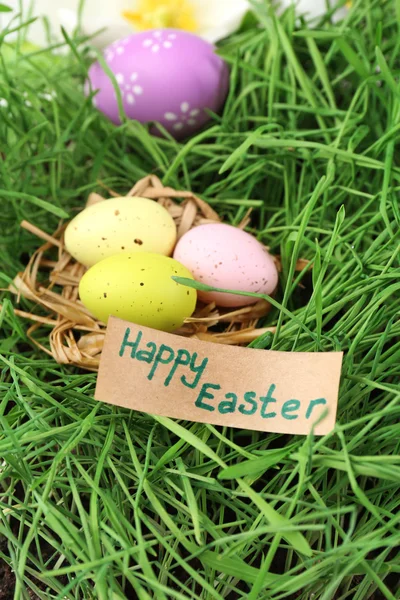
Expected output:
{"points": [[143, 60], [186, 116], [130, 91], [155, 45]]}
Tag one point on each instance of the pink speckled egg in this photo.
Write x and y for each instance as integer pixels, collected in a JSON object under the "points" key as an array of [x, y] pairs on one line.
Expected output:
{"points": [[227, 257], [164, 75]]}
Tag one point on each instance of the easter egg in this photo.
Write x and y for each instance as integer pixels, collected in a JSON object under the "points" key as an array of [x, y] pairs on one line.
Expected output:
{"points": [[120, 225], [138, 287], [165, 75], [226, 257]]}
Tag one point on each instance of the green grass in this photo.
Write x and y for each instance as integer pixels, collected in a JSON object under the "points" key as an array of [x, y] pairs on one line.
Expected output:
{"points": [[100, 502]]}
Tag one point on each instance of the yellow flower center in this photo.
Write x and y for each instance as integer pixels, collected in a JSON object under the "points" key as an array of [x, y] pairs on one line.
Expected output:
{"points": [[153, 14]]}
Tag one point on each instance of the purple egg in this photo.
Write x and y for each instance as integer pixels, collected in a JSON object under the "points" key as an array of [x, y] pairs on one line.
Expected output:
{"points": [[165, 75]]}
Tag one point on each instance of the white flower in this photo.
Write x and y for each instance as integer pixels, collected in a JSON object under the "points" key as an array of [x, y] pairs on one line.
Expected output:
{"points": [[312, 9], [210, 19]]}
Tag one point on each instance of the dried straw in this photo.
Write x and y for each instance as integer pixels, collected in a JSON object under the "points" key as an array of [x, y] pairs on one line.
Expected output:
{"points": [[52, 276]]}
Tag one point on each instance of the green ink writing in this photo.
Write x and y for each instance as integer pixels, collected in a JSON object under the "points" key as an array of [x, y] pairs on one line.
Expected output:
{"points": [[182, 358], [312, 405], [204, 394], [289, 407], [268, 399], [228, 406], [133, 345], [164, 356], [147, 357], [187, 368], [249, 397], [199, 370]]}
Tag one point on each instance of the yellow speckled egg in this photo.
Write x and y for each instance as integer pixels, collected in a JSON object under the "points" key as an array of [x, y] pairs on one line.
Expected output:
{"points": [[120, 225], [138, 287]]}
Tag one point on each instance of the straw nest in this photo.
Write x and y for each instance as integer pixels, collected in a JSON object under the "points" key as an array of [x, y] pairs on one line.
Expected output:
{"points": [[75, 337]]}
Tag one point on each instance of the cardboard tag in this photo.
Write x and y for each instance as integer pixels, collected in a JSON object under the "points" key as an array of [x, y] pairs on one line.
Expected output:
{"points": [[165, 374]]}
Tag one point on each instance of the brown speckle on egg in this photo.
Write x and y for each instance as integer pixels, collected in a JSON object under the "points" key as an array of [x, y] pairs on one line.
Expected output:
{"points": [[116, 213], [138, 242], [236, 254]]}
